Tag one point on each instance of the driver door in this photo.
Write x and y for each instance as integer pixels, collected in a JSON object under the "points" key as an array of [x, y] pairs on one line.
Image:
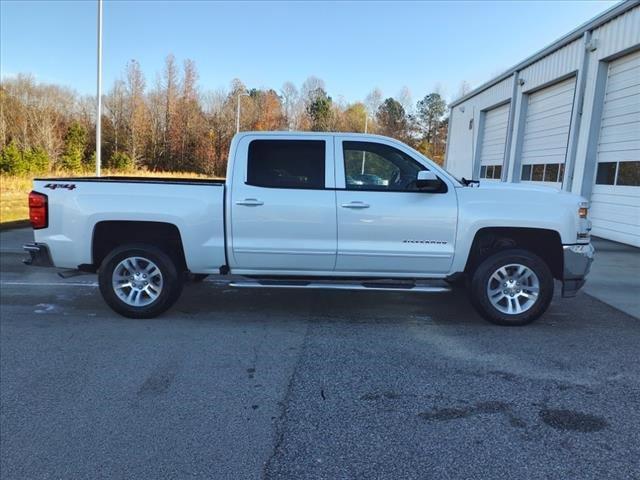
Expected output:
{"points": [[386, 225]]}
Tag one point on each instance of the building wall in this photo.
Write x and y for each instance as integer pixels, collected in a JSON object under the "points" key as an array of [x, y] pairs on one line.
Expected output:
{"points": [[463, 127], [613, 39], [585, 58]]}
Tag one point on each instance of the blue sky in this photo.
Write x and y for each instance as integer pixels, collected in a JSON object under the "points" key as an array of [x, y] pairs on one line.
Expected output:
{"points": [[353, 46]]}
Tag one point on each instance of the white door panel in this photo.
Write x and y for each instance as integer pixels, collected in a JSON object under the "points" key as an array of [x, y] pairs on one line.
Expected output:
{"points": [[547, 122], [384, 231], [615, 200], [494, 137], [290, 229], [398, 232]]}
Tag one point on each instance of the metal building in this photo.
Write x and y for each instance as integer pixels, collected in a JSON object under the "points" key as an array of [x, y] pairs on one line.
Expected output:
{"points": [[567, 117]]}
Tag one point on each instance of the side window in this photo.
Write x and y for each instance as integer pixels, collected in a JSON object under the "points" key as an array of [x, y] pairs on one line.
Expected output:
{"points": [[374, 166], [286, 163]]}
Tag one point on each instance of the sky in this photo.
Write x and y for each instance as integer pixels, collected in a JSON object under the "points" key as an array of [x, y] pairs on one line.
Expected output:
{"points": [[352, 46]]}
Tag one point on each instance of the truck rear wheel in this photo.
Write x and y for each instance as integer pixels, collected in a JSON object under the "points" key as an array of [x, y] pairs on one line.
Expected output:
{"points": [[512, 287], [139, 281]]}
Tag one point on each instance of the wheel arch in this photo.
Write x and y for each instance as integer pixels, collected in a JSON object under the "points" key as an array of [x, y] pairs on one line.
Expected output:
{"points": [[110, 234], [545, 243]]}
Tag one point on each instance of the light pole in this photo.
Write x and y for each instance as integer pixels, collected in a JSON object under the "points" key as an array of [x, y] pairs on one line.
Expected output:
{"points": [[366, 123], [244, 94], [99, 95]]}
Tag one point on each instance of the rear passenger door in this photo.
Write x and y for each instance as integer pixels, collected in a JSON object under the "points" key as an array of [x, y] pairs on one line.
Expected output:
{"points": [[282, 205]]}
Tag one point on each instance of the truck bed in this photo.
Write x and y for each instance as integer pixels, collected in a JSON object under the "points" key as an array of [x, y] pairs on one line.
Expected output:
{"points": [[76, 205]]}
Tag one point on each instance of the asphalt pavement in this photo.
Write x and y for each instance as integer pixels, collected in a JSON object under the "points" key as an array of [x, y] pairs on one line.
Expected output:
{"points": [[244, 384]]}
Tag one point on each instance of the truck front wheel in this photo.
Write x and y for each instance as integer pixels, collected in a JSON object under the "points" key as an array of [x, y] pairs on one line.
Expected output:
{"points": [[139, 281], [512, 287]]}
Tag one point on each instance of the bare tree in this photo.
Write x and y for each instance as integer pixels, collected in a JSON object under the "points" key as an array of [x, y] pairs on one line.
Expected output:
{"points": [[373, 101], [405, 99], [310, 87], [114, 106], [137, 113], [290, 98], [170, 94]]}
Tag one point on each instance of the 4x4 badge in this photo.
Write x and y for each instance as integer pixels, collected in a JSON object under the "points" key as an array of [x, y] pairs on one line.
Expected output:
{"points": [[53, 186]]}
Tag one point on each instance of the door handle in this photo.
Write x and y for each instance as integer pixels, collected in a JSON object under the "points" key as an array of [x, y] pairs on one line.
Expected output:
{"points": [[250, 202], [355, 205]]}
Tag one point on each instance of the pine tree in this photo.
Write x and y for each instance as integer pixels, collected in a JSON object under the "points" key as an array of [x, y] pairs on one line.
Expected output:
{"points": [[392, 119], [75, 142], [11, 160], [319, 110], [37, 160]]}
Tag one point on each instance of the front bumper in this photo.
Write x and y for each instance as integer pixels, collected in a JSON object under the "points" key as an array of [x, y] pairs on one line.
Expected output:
{"points": [[577, 262], [39, 255]]}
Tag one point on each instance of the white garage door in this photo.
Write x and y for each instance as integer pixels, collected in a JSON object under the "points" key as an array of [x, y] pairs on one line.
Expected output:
{"points": [[546, 133], [615, 200], [494, 137]]}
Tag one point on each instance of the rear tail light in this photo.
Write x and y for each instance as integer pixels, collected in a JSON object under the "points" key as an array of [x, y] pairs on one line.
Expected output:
{"points": [[38, 210]]}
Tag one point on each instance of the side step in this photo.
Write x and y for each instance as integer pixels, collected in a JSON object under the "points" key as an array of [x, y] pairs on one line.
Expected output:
{"points": [[435, 287]]}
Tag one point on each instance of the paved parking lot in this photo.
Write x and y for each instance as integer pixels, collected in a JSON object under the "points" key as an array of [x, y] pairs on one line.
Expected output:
{"points": [[244, 384]]}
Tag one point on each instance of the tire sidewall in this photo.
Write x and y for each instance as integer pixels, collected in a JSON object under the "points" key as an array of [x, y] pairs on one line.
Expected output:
{"points": [[480, 279], [171, 289]]}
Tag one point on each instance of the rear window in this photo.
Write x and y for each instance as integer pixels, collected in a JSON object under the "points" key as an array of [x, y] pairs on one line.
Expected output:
{"points": [[286, 163]]}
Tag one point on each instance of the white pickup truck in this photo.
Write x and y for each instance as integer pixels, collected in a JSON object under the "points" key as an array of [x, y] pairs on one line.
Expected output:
{"points": [[316, 210]]}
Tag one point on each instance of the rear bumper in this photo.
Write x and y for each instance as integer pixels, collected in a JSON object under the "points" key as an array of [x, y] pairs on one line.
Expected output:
{"points": [[39, 255], [577, 262]]}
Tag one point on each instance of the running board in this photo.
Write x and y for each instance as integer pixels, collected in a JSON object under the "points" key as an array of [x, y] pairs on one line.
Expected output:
{"points": [[375, 286]]}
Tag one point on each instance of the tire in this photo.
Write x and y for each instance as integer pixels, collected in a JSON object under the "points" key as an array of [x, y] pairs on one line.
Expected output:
{"points": [[512, 287], [153, 294]]}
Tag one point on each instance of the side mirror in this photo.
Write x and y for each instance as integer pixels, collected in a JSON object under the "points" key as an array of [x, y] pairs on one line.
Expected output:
{"points": [[428, 181]]}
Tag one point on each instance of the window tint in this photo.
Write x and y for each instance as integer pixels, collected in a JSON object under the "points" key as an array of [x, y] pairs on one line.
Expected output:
{"points": [[374, 166], [491, 171], [286, 163], [629, 174], [488, 171], [551, 172], [606, 173], [543, 172], [537, 174]]}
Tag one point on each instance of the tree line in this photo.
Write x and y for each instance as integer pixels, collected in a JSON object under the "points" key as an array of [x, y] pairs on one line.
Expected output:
{"points": [[173, 125]]}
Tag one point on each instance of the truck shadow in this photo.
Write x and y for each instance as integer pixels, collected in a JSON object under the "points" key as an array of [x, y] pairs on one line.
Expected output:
{"points": [[329, 305], [208, 301]]}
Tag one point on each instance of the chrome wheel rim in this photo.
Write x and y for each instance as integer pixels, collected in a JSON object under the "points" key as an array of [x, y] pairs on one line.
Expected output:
{"points": [[137, 281], [513, 289]]}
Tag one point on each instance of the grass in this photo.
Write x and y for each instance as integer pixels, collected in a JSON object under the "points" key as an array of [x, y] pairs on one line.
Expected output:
{"points": [[15, 189], [13, 198]]}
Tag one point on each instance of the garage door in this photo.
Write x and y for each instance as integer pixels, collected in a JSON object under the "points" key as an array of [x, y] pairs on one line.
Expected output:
{"points": [[615, 200], [494, 137], [546, 133]]}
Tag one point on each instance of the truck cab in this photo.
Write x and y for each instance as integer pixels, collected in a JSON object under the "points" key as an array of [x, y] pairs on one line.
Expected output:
{"points": [[343, 205]]}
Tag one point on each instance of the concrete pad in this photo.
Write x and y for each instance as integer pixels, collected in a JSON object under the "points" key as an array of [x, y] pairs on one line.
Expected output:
{"points": [[277, 384], [11, 241], [615, 276]]}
